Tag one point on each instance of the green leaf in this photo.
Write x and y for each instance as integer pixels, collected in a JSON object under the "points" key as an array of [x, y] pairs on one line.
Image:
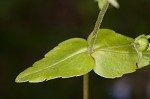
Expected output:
{"points": [[101, 3], [114, 3], [115, 55], [145, 59], [68, 59]]}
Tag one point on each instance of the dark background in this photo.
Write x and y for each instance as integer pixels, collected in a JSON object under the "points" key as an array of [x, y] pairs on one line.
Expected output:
{"points": [[30, 28]]}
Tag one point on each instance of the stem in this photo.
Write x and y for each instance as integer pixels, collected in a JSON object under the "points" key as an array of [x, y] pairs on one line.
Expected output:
{"points": [[86, 86], [90, 48], [97, 26]]}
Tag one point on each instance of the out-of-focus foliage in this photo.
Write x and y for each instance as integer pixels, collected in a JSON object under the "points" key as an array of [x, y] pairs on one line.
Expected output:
{"points": [[101, 3]]}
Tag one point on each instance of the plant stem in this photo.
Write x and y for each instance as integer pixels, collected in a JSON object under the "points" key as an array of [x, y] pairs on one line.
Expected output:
{"points": [[86, 86], [97, 27], [90, 48]]}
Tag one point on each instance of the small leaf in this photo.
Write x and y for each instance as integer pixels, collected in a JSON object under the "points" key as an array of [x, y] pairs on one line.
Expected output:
{"points": [[115, 54], [114, 3], [68, 59], [101, 3]]}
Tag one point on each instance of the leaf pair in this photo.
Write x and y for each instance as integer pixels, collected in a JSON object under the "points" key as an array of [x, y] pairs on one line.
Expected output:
{"points": [[113, 56], [101, 3]]}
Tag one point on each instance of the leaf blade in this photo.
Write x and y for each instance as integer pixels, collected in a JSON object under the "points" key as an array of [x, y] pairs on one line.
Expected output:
{"points": [[114, 3], [114, 63], [115, 54], [60, 62]]}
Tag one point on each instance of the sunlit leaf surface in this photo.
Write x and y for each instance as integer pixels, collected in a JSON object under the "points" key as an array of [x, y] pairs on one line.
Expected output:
{"points": [[68, 59], [115, 54]]}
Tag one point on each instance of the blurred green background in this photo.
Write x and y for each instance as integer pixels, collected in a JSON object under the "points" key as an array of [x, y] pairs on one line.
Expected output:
{"points": [[30, 28]]}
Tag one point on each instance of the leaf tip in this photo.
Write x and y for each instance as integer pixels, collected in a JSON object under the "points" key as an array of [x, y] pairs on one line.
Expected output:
{"points": [[114, 3], [18, 79]]}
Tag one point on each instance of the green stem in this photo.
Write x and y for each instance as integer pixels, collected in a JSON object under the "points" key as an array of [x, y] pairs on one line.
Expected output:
{"points": [[90, 48], [86, 86], [97, 26]]}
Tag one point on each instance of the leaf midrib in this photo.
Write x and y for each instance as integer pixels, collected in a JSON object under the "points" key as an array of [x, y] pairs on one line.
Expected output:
{"points": [[111, 49], [70, 56]]}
